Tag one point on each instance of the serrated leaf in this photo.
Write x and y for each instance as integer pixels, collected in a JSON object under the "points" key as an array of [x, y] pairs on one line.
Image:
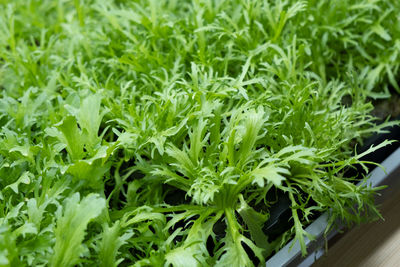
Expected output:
{"points": [[25, 178], [70, 135], [71, 226], [271, 174], [111, 241]]}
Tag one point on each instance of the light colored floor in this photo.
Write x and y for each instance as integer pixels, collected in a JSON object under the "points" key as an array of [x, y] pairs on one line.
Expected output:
{"points": [[369, 245]]}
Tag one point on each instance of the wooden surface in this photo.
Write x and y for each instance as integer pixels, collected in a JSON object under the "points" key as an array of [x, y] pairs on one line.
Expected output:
{"points": [[369, 245]]}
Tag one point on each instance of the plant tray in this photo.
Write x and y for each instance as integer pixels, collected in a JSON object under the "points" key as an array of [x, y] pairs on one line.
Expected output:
{"points": [[315, 248]]}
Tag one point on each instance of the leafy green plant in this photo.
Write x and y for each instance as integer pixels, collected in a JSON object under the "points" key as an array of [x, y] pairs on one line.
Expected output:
{"points": [[153, 133]]}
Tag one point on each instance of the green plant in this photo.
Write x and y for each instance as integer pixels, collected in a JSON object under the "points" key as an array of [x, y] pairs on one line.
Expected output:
{"points": [[153, 133]]}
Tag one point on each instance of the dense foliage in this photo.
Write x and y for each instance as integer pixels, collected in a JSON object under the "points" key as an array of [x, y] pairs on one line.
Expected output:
{"points": [[158, 132]]}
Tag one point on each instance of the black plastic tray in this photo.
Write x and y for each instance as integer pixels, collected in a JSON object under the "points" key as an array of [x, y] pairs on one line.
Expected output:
{"points": [[279, 221]]}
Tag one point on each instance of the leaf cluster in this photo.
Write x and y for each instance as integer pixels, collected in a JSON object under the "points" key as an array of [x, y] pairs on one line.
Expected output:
{"points": [[151, 133]]}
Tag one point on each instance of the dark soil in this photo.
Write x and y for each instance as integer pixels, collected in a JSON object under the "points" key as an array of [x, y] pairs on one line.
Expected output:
{"points": [[387, 107]]}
